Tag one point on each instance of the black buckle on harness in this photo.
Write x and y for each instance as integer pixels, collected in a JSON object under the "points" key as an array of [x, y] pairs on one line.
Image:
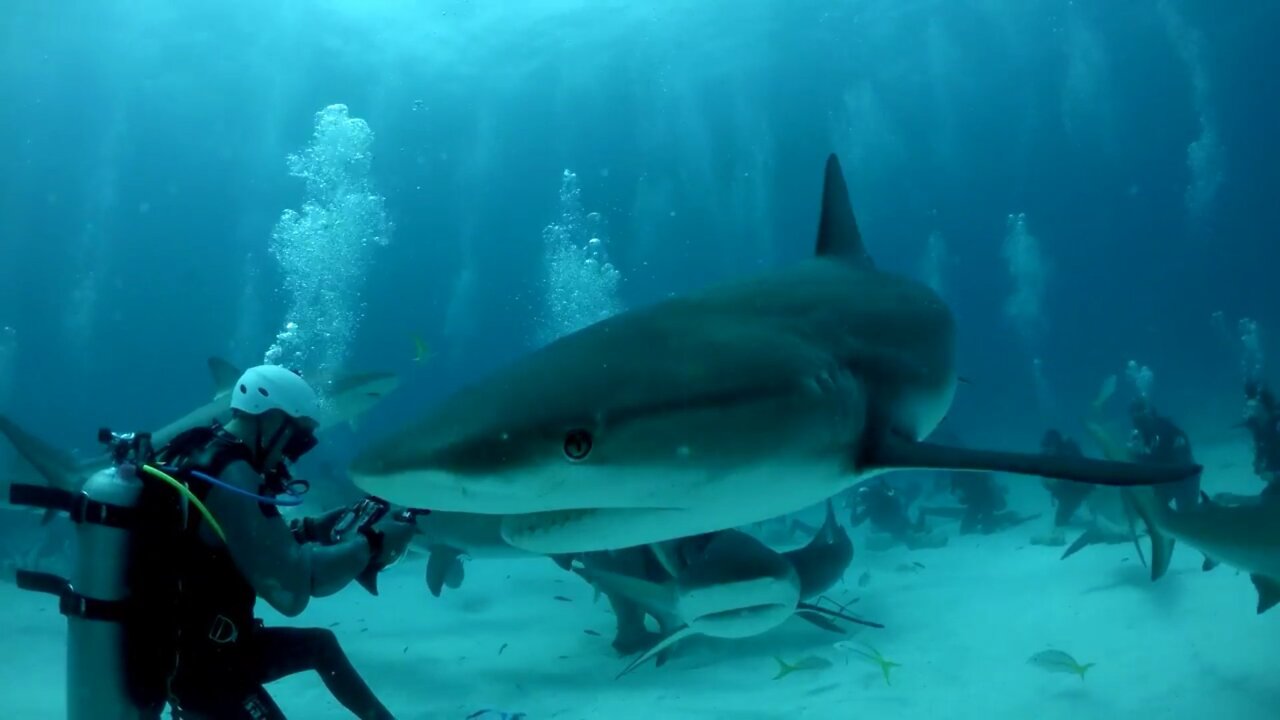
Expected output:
{"points": [[70, 602], [77, 505]]}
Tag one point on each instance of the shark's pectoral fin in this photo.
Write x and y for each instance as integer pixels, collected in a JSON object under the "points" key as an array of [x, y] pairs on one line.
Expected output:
{"points": [[1132, 518], [1268, 592], [896, 452], [1209, 564], [444, 567], [661, 645], [225, 375], [1087, 538]]}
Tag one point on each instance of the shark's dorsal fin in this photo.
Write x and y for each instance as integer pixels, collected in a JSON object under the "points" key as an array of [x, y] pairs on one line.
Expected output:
{"points": [[224, 373], [838, 235]]}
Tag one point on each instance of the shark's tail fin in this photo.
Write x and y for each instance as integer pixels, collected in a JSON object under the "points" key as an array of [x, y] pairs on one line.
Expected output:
{"points": [[57, 468]]}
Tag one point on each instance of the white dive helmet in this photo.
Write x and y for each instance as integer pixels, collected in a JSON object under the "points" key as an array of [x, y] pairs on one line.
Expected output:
{"points": [[273, 387]]}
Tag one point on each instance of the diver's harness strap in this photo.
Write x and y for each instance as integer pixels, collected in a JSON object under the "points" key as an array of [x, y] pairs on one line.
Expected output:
{"points": [[79, 506], [70, 602]]}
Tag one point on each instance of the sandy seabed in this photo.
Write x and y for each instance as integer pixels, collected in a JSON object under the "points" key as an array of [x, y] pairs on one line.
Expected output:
{"points": [[517, 637]]}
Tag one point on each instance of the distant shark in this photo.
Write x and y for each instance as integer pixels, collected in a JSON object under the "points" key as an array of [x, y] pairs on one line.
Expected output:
{"points": [[712, 410], [346, 398], [1244, 537], [725, 584]]}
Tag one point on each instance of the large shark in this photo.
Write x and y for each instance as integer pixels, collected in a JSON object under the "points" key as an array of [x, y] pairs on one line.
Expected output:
{"points": [[708, 411], [347, 397]]}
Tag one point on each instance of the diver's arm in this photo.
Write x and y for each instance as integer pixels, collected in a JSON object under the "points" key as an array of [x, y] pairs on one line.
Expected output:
{"points": [[281, 571]]}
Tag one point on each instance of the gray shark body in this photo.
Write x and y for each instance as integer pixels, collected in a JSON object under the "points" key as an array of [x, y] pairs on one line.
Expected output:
{"points": [[347, 397], [708, 411]]}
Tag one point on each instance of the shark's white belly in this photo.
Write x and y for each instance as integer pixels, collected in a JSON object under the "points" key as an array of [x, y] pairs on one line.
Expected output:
{"points": [[709, 504]]}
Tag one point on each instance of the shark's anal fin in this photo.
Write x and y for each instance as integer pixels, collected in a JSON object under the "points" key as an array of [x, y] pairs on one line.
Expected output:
{"points": [[838, 235], [894, 452], [444, 567], [224, 373], [1268, 592]]}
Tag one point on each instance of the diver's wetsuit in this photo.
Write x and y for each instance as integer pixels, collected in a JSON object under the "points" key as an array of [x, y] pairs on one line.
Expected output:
{"points": [[225, 655], [1069, 496], [983, 500], [1157, 440], [885, 509]]}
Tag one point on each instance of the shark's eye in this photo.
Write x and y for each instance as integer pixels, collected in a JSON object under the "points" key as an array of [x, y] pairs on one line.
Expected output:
{"points": [[577, 445]]}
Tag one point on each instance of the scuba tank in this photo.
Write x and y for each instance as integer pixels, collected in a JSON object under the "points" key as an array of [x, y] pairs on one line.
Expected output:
{"points": [[101, 683]]}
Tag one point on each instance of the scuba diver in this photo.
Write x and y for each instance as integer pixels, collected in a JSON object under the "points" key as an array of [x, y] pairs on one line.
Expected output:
{"points": [[878, 502], [1067, 496], [984, 503], [1157, 440], [224, 655], [1262, 419]]}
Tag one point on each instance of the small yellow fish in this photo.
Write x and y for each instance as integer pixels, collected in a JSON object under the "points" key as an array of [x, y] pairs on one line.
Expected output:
{"points": [[869, 653], [812, 662], [1057, 661]]}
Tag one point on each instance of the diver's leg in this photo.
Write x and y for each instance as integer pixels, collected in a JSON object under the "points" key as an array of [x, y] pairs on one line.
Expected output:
{"points": [[287, 651]]}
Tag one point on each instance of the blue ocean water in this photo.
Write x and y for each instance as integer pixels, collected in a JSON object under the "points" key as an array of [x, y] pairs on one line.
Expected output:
{"points": [[1085, 183]]}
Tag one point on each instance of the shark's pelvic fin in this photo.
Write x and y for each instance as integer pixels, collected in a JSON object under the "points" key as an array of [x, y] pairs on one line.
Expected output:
{"points": [[838, 235], [224, 374], [443, 568], [657, 649], [1268, 592], [894, 452], [1146, 506]]}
